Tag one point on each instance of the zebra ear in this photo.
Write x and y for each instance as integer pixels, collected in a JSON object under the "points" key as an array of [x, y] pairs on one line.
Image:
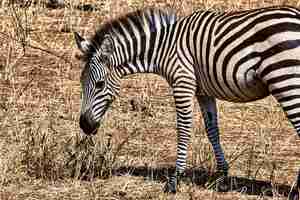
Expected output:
{"points": [[84, 45], [107, 46]]}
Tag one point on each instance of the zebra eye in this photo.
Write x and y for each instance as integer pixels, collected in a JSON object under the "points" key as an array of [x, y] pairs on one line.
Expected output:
{"points": [[100, 85]]}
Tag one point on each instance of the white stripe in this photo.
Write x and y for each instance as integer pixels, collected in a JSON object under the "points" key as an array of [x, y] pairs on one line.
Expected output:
{"points": [[293, 111], [282, 71], [284, 83], [291, 92], [290, 102]]}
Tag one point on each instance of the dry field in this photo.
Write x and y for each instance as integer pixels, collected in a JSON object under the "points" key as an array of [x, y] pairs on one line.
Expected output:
{"points": [[43, 155]]}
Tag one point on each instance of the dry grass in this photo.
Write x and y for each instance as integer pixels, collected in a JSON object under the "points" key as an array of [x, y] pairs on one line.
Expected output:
{"points": [[43, 155]]}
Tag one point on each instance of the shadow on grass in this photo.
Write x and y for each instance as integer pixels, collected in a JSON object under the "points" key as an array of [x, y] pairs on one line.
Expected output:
{"points": [[202, 178]]}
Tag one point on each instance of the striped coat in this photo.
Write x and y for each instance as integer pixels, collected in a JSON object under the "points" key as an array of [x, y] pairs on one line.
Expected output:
{"points": [[238, 57]]}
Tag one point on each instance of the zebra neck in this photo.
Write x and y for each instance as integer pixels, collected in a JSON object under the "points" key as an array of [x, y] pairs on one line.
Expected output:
{"points": [[138, 57], [146, 48], [136, 68], [114, 81], [148, 54]]}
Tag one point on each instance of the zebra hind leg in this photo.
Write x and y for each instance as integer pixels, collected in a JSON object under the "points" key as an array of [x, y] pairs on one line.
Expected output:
{"points": [[291, 105], [209, 113], [295, 190]]}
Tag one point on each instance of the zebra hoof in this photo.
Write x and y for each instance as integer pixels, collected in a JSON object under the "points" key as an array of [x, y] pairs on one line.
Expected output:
{"points": [[223, 170], [294, 195], [218, 183], [171, 186], [295, 190]]}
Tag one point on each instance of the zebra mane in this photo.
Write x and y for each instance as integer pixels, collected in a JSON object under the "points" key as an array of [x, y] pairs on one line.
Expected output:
{"points": [[154, 18]]}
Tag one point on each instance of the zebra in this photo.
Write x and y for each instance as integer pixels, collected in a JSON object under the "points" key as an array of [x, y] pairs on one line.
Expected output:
{"points": [[237, 57]]}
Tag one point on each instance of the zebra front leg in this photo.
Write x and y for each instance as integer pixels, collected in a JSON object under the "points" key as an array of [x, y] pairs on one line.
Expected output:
{"points": [[209, 113], [184, 111]]}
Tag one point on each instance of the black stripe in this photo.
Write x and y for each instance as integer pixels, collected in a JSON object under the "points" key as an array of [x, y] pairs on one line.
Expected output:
{"points": [[281, 77], [287, 108], [292, 116], [285, 89], [182, 117], [288, 98]]}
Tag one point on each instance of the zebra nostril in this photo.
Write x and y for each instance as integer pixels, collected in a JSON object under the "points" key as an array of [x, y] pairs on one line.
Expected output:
{"points": [[87, 126]]}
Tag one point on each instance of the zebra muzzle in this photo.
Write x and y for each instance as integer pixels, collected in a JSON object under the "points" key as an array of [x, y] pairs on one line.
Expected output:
{"points": [[89, 127]]}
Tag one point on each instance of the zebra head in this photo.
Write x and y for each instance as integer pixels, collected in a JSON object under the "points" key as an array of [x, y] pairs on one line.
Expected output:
{"points": [[97, 90]]}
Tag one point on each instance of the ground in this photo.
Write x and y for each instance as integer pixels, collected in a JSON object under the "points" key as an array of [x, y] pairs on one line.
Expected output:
{"points": [[43, 155]]}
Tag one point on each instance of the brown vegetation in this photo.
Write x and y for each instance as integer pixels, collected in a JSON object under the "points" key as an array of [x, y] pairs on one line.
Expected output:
{"points": [[43, 155]]}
